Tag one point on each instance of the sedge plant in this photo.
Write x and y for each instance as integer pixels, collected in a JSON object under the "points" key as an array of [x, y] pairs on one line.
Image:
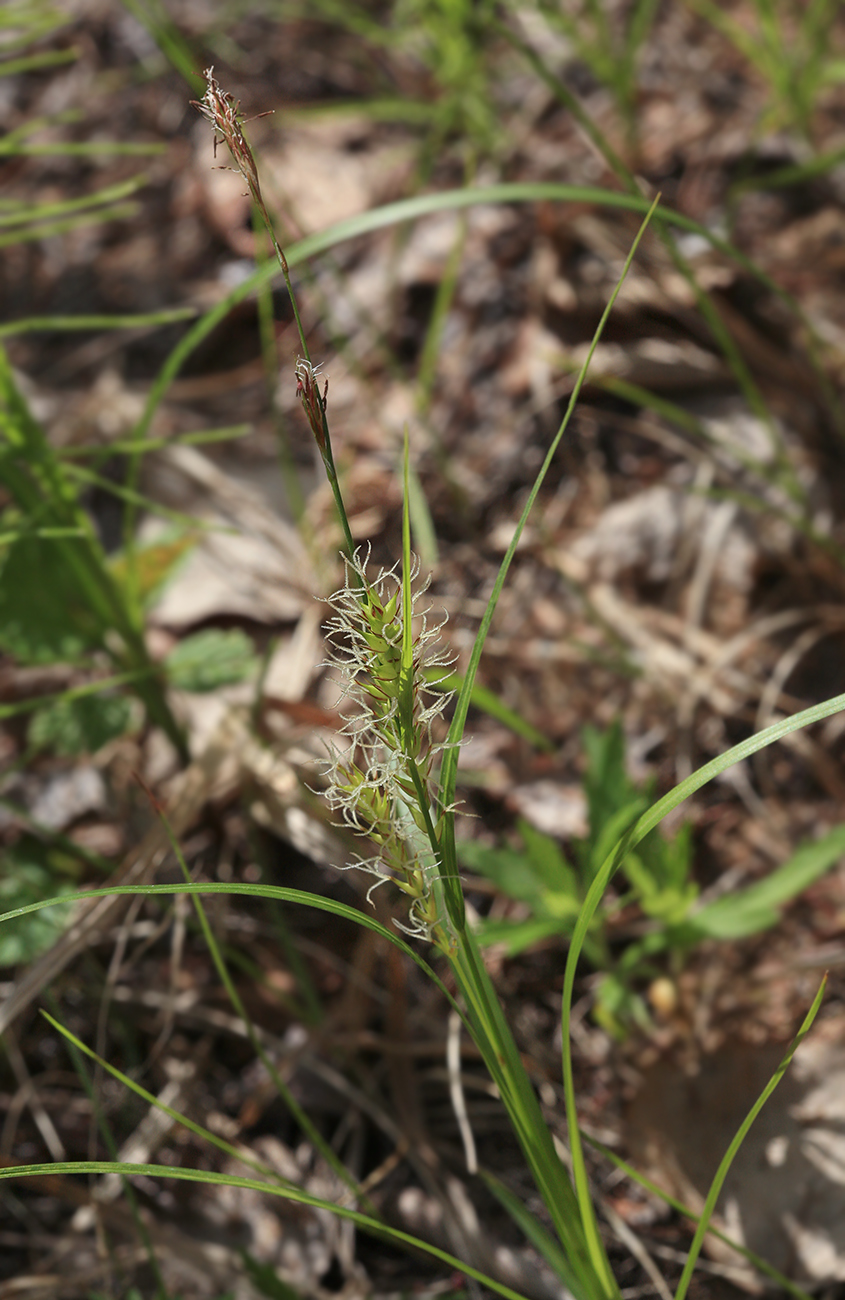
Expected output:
{"points": [[387, 786], [394, 782]]}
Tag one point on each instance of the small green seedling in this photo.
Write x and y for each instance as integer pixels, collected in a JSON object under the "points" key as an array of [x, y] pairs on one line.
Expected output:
{"points": [[659, 882]]}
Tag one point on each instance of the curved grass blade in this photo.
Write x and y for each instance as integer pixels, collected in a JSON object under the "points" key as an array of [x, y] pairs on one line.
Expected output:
{"points": [[115, 212], [488, 702], [762, 1265], [794, 174], [197, 438], [281, 893], [27, 213], [110, 1143], [298, 1112], [50, 534], [485, 1022], [153, 15], [61, 324], [198, 1130], [138, 499], [632, 185], [75, 693], [751, 745], [739, 1138], [37, 62], [413, 209], [647, 822], [97, 1168], [450, 762], [91, 149]]}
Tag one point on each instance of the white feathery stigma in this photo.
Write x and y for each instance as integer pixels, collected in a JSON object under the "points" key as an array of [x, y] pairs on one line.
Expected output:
{"points": [[383, 785]]}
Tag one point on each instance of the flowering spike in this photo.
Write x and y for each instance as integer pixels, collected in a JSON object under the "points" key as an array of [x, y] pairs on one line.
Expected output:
{"points": [[384, 785], [223, 111], [313, 401]]}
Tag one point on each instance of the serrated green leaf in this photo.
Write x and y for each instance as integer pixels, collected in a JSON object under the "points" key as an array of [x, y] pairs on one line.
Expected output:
{"points": [[23, 881], [80, 726], [42, 615], [209, 659]]}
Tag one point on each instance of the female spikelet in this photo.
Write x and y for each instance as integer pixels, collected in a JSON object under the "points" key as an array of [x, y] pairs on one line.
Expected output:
{"points": [[383, 783]]}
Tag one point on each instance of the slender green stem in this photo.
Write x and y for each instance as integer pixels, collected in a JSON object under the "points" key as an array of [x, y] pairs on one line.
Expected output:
{"points": [[227, 1148], [660, 1194], [739, 1138], [495, 1041], [448, 777], [316, 407], [220, 109], [101, 1117], [270, 357]]}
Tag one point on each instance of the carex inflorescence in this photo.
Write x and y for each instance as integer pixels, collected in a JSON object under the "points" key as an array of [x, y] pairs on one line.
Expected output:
{"points": [[383, 783]]}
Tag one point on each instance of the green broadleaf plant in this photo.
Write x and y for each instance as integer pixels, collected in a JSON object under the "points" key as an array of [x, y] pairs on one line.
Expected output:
{"points": [[69, 727], [659, 881]]}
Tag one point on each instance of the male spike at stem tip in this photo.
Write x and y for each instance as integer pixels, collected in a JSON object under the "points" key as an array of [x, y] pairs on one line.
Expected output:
{"points": [[223, 111]]}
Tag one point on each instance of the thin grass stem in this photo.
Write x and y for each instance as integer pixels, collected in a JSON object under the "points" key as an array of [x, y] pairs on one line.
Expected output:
{"points": [[739, 1138]]}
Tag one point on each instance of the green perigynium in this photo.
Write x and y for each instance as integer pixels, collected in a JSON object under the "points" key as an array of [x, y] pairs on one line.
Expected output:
{"points": [[383, 784]]}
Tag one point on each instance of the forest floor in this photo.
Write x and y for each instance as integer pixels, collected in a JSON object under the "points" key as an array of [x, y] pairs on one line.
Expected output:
{"points": [[681, 577]]}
